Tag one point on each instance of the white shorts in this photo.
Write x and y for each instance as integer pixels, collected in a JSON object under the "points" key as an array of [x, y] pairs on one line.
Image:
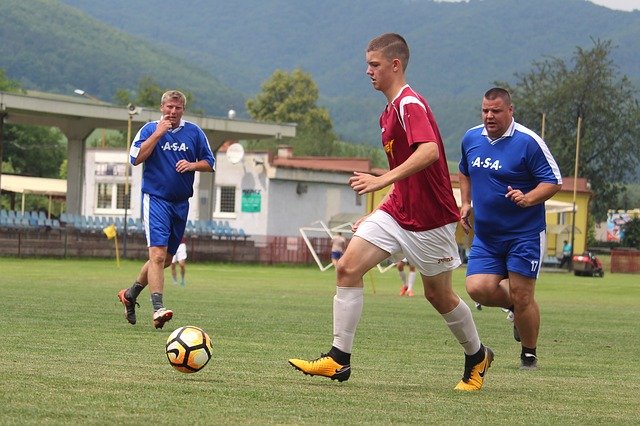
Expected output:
{"points": [[431, 252], [181, 254]]}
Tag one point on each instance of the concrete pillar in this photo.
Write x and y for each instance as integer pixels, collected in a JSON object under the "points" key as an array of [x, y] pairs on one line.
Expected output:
{"points": [[77, 135]]}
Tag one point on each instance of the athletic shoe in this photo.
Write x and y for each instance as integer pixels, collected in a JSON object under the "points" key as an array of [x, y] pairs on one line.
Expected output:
{"points": [[473, 377], [161, 316], [129, 306], [403, 290], [410, 293], [516, 333], [175, 282], [528, 362], [323, 366]]}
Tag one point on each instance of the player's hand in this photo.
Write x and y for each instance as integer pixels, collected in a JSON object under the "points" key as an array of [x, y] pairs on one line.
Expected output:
{"points": [[464, 219], [363, 183], [184, 166], [164, 125], [355, 226], [517, 197]]}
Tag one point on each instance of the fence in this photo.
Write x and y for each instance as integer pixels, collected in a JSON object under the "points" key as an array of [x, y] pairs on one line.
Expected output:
{"points": [[627, 261], [70, 242]]}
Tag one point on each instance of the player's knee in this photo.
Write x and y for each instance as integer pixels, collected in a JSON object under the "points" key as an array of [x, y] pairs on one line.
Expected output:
{"points": [[345, 271]]}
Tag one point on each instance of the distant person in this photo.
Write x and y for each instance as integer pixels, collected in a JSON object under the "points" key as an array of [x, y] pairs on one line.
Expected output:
{"points": [[172, 150], [416, 219], [507, 173], [566, 254], [180, 258], [407, 279], [338, 244]]}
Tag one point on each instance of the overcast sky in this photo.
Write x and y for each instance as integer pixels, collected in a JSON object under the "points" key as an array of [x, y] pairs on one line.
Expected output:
{"points": [[627, 5]]}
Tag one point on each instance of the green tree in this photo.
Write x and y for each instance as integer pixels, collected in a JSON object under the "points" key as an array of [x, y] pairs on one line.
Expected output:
{"points": [[292, 98], [148, 94], [631, 231], [30, 150], [7, 85], [589, 88]]}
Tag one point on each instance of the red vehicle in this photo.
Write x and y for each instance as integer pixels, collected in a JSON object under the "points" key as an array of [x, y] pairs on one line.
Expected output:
{"points": [[587, 264]]}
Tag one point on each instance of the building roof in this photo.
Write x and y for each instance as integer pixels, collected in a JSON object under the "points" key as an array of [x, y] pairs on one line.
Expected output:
{"points": [[34, 185], [331, 164]]}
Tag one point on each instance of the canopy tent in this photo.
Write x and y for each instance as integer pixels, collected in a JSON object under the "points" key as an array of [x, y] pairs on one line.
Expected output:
{"points": [[34, 185]]}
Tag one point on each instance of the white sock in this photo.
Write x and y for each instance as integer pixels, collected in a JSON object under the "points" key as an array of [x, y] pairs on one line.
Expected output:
{"points": [[460, 322], [403, 277], [347, 310], [411, 280]]}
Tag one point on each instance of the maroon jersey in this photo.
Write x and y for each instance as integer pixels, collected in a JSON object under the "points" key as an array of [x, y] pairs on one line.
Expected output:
{"points": [[425, 199]]}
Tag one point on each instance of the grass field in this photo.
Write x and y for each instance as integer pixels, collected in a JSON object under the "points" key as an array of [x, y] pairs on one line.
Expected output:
{"points": [[69, 357]]}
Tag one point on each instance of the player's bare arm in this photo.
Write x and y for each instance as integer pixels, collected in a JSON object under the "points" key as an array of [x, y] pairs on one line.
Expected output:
{"points": [[197, 166], [537, 195], [424, 155], [465, 198]]}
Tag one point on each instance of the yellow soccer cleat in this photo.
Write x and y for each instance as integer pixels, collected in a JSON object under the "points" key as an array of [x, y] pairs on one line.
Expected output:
{"points": [[323, 366], [473, 378]]}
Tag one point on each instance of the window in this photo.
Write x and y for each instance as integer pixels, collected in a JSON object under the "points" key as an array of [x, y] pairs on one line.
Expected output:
{"points": [[104, 193], [225, 201], [110, 197]]}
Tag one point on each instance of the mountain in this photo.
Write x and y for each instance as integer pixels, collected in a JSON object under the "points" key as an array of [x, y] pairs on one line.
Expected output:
{"points": [[49, 46], [458, 49]]}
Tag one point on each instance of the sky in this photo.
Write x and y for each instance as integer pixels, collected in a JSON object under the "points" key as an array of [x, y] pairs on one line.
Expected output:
{"points": [[627, 5]]}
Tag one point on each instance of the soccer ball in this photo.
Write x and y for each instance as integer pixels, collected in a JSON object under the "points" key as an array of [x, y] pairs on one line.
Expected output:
{"points": [[188, 349]]}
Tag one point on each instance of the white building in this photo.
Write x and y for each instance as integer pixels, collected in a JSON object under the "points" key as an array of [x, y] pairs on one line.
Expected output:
{"points": [[262, 194]]}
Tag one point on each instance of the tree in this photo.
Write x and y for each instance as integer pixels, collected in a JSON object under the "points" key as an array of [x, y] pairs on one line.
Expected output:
{"points": [[149, 94], [292, 98], [631, 232], [589, 88], [30, 150]]}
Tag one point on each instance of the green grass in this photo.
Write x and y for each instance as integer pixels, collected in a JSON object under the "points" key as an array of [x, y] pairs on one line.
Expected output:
{"points": [[69, 357]]}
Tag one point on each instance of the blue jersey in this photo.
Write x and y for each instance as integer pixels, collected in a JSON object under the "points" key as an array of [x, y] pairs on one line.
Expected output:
{"points": [[519, 159], [160, 177]]}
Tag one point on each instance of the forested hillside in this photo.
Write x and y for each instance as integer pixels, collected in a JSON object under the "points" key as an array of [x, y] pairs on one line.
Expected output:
{"points": [[228, 48], [47, 45]]}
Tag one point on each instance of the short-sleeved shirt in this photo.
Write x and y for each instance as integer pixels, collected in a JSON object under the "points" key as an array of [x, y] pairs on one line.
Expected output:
{"points": [[424, 200], [519, 159], [160, 177]]}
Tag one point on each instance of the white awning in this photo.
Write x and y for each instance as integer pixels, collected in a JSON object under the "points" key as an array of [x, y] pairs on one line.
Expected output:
{"points": [[34, 185]]}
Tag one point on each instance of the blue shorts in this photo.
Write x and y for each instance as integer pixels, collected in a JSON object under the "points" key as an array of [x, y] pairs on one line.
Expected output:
{"points": [[336, 255], [164, 221], [522, 255]]}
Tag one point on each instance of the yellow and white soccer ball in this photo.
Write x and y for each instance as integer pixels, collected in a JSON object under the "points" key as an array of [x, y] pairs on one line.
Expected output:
{"points": [[188, 349]]}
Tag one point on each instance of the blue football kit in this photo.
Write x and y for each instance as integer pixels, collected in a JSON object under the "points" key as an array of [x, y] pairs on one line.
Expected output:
{"points": [[166, 192], [519, 159]]}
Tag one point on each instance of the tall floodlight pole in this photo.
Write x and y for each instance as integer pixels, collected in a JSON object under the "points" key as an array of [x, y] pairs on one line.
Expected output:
{"points": [[575, 186], [133, 110], [2, 115]]}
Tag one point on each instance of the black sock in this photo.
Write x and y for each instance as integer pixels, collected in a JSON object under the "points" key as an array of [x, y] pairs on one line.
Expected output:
{"points": [[340, 357], [525, 351], [134, 291], [477, 357], [156, 301]]}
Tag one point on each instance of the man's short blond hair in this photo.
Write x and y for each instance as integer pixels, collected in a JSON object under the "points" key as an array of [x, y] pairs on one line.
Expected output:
{"points": [[174, 94]]}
